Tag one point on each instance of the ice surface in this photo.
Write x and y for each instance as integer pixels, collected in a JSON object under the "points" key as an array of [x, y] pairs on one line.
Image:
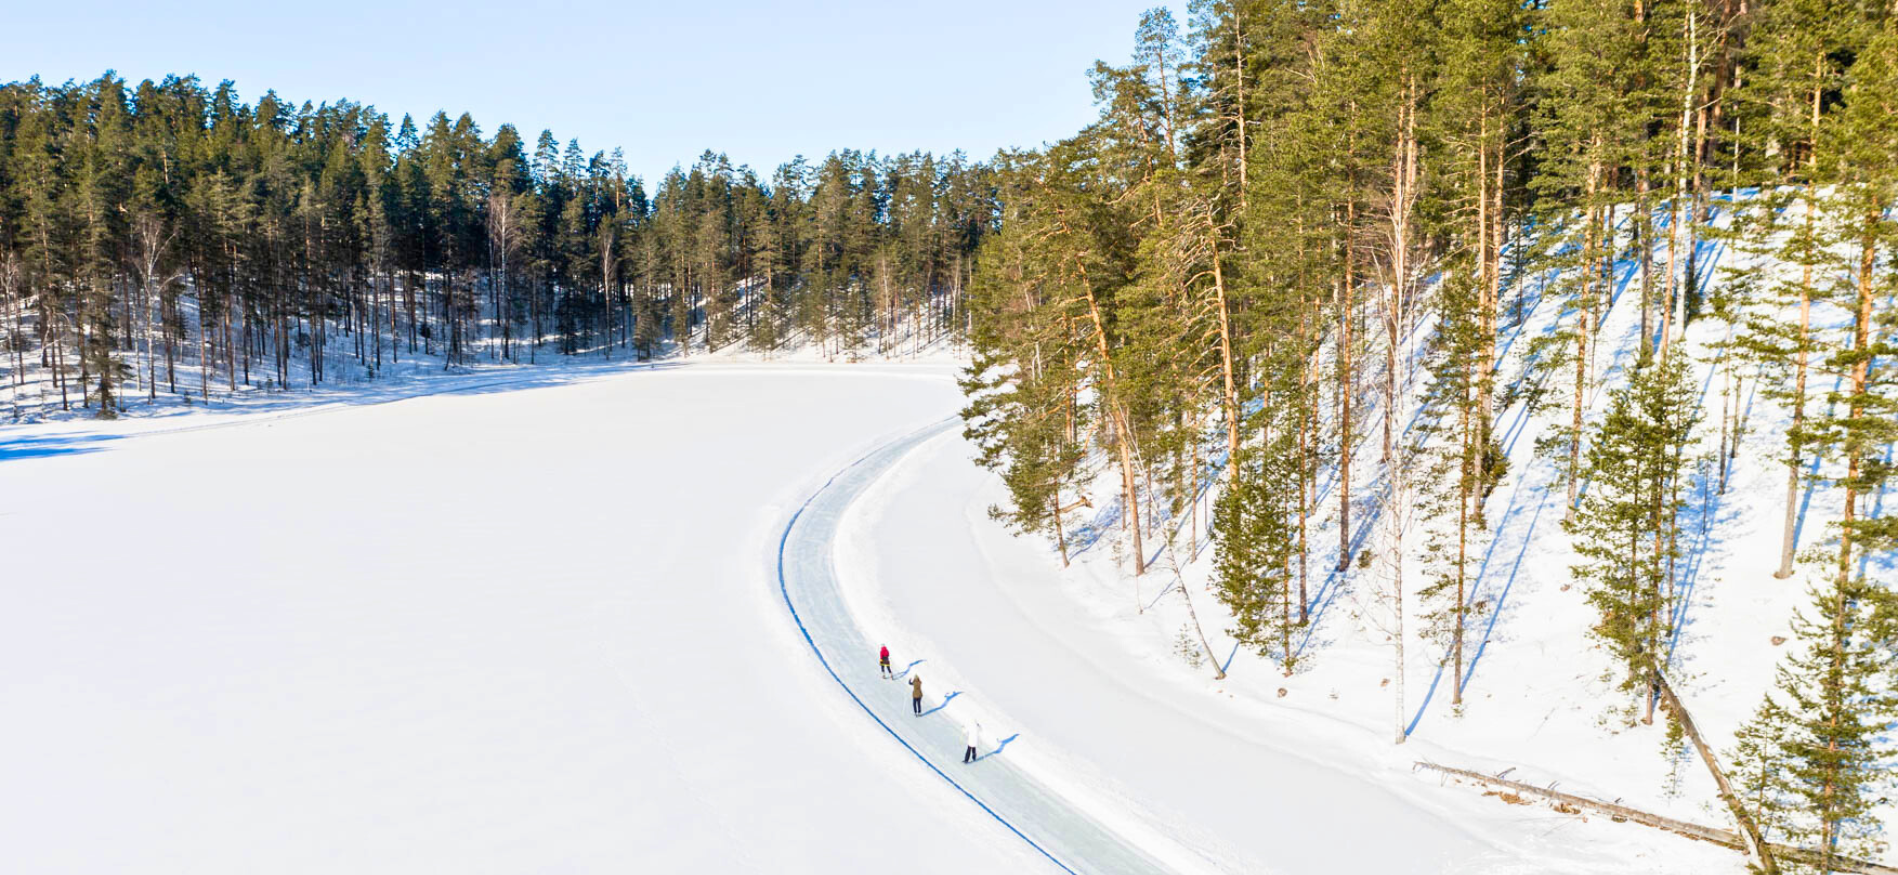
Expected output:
{"points": [[505, 632]]}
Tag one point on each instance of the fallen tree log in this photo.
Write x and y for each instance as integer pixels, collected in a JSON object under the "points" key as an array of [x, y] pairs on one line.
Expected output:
{"points": [[1755, 845], [1570, 803]]}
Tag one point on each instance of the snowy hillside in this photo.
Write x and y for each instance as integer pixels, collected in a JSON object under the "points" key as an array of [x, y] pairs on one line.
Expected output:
{"points": [[1540, 703]]}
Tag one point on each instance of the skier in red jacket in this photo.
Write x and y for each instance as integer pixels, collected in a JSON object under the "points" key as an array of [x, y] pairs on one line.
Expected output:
{"points": [[884, 659]]}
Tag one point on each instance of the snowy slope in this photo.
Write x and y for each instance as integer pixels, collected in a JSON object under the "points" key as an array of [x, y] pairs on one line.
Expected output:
{"points": [[516, 631], [1538, 698], [1122, 727]]}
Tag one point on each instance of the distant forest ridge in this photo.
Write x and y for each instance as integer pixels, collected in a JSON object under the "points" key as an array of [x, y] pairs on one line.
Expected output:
{"points": [[166, 237]]}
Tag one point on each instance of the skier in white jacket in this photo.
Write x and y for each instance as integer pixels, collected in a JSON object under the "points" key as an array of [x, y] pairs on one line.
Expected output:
{"points": [[975, 740]]}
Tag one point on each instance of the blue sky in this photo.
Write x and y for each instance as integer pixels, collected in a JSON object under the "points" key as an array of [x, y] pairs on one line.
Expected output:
{"points": [[759, 81]]}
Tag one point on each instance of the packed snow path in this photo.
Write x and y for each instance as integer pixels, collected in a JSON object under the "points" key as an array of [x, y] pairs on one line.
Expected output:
{"points": [[520, 631], [1069, 840]]}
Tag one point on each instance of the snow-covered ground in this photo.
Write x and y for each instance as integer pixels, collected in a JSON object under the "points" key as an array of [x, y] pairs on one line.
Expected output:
{"points": [[511, 631], [1104, 713], [1211, 755], [531, 619]]}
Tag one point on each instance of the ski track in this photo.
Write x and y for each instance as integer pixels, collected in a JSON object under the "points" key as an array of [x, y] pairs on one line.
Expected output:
{"points": [[1069, 840]]}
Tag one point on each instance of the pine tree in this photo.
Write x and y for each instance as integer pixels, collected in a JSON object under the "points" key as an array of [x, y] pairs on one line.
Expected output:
{"points": [[1826, 759], [1593, 59], [1864, 418], [1759, 766], [1623, 528], [1456, 474], [1795, 48], [1025, 380], [1812, 757], [1256, 533]]}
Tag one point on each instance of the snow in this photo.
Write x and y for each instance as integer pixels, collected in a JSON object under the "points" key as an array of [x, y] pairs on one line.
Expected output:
{"points": [[1045, 645], [515, 631], [534, 618], [539, 628], [1069, 837], [1106, 715]]}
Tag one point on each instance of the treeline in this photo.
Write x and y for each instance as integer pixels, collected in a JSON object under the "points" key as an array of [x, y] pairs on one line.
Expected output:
{"points": [[168, 238], [1284, 258]]}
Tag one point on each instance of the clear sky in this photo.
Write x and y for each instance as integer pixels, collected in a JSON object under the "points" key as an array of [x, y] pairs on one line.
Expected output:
{"points": [[758, 80]]}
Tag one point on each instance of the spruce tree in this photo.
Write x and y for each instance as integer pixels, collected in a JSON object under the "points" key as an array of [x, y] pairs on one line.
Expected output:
{"points": [[1256, 533], [1812, 760], [1623, 527]]}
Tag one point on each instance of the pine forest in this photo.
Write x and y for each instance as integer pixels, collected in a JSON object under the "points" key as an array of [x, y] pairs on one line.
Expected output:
{"points": [[1355, 351], [169, 239], [1316, 264]]}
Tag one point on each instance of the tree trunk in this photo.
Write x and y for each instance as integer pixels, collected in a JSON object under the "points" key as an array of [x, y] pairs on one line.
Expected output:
{"points": [[1345, 297], [1755, 846], [1123, 434], [1590, 239], [1230, 397], [1397, 310], [1467, 471], [1634, 815], [1794, 439]]}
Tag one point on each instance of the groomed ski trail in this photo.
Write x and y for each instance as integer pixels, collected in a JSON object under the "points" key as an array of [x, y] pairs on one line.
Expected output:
{"points": [[1070, 840]]}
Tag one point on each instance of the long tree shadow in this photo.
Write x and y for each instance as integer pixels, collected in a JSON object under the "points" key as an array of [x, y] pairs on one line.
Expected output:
{"points": [[61, 445], [346, 392], [998, 747], [906, 669], [1712, 544], [945, 703]]}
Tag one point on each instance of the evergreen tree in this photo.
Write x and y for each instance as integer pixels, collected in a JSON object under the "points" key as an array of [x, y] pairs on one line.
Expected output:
{"points": [[1255, 527], [165, 228], [1796, 48], [1812, 761], [1624, 528]]}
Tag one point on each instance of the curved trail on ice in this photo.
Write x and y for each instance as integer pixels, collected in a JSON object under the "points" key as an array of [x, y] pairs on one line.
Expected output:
{"points": [[1070, 840]]}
